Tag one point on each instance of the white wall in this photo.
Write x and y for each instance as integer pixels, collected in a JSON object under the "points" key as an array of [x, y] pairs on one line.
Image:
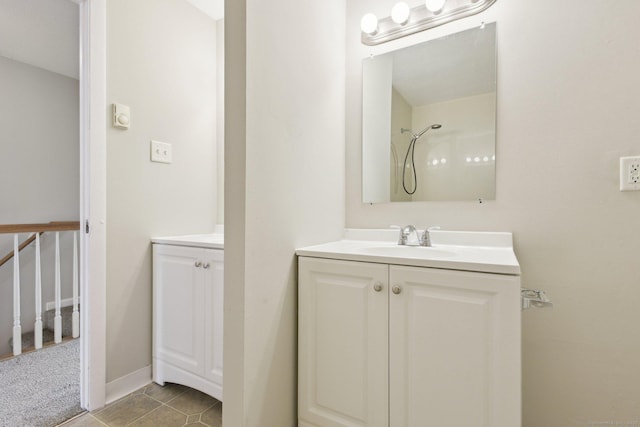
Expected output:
{"points": [[39, 126], [161, 61], [285, 138], [39, 171], [220, 121], [568, 102]]}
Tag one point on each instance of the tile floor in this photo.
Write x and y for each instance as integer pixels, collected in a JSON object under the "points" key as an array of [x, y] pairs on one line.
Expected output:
{"points": [[156, 406]]}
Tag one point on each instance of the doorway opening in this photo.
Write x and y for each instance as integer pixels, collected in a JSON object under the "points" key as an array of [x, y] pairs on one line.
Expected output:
{"points": [[40, 239]]}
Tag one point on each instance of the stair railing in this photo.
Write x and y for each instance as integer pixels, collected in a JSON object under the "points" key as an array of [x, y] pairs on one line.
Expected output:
{"points": [[37, 230]]}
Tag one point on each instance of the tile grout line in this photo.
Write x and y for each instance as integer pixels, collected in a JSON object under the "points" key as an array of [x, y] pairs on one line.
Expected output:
{"points": [[82, 415], [216, 401], [145, 414], [175, 409], [127, 397], [188, 415], [143, 391], [104, 424]]}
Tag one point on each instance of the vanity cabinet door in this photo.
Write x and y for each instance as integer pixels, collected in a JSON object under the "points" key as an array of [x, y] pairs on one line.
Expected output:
{"points": [[454, 348], [213, 266], [342, 343], [178, 311], [188, 287]]}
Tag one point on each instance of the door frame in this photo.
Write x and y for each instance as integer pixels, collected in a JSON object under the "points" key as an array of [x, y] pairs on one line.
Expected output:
{"points": [[93, 202]]}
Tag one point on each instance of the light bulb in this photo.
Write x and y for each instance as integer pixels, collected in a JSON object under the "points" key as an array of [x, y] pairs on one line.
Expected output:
{"points": [[369, 23], [468, 159], [400, 13], [485, 159], [476, 159], [434, 5], [443, 160], [434, 162]]}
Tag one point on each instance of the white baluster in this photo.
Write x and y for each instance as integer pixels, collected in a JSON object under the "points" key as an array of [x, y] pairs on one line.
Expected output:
{"points": [[57, 320], [17, 329], [37, 329], [76, 313]]}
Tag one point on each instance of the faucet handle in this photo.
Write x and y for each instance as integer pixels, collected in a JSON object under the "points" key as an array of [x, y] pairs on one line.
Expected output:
{"points": [[425, 240]]}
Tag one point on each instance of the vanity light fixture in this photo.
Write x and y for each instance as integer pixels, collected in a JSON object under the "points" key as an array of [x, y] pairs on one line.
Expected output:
{"points": [[434, 5], [369, 24], [400, 13], [405, 21]]}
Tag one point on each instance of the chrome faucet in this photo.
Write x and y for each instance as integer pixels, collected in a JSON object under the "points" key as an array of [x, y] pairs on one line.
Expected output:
{"points": [[408, 236]]}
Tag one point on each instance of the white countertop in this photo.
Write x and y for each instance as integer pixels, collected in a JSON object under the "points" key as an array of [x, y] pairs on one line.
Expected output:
{"points": [[209, 241], [486, 252]]}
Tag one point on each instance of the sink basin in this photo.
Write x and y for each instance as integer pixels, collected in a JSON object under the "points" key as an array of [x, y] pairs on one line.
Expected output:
{"points": [[486, 252], [420, 252]]}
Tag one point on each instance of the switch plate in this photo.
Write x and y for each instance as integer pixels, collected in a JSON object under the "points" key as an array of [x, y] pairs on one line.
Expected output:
{"points": [[630, 173], [160, 152]]}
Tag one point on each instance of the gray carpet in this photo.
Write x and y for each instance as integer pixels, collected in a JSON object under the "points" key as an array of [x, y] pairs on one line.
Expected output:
{"points": [[42, 388]]}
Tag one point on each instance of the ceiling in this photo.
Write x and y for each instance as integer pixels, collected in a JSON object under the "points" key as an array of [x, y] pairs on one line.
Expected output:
{"points": [[42, 33], [213, 8], [45, 33]]}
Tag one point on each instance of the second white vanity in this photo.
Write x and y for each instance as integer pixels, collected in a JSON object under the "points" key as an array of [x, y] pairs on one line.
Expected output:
{"points": [[397, 336], [188, 288]]}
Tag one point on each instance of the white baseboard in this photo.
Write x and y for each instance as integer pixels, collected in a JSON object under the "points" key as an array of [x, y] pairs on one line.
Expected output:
{"points": [[67, 302], [122, 386]]}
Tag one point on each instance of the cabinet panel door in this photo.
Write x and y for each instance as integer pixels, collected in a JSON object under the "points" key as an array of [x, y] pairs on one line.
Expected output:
{"points": [[454, 340], [214, 298], [177, 313], [342, 343]]}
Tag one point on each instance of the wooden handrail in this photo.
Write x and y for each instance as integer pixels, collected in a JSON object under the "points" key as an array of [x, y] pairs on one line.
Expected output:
{"points": [[40, 228], [35, 228]]}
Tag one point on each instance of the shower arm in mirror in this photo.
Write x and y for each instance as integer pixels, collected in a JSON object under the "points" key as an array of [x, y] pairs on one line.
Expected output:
{"points": [[421, 18]]}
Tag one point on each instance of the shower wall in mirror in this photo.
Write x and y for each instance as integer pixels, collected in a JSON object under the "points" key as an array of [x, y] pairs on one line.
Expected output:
{"points": [[429, 119]]}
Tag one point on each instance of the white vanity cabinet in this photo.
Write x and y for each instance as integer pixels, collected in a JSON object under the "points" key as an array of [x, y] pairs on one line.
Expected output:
{"points": [[187, 316], [395, 346]]}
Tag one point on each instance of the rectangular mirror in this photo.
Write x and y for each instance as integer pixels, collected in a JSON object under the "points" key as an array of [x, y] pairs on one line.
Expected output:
{"points": [[429, 120]]}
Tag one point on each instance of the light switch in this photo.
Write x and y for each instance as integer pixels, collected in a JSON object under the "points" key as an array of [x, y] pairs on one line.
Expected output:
{"points": [[160, 152]]}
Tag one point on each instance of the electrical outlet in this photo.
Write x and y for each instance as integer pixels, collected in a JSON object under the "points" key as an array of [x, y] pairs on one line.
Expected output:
{"points": [[630, 173], [160, 152]]}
